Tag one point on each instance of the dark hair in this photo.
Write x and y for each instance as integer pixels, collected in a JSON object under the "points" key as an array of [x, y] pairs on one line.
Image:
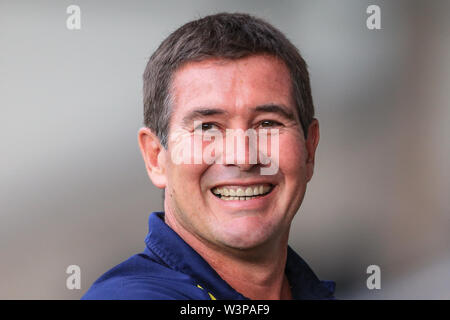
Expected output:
{"points": [[223, 35]]}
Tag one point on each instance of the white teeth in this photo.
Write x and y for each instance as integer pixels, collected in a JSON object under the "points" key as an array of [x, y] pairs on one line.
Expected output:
{"points": [[237, 198], [247, 193]]}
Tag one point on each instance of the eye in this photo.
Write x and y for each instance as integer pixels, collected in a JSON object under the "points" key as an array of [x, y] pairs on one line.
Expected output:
{"points": [[207, 126], [269, 123]]}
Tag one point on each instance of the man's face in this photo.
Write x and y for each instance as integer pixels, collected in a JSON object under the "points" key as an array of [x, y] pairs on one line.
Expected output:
{"points": [[233, 91]]}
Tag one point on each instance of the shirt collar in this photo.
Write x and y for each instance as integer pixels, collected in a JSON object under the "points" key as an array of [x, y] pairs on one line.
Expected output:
{"points": [[179, 256]]}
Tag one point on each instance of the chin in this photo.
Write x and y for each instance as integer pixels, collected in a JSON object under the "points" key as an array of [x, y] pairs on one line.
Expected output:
{"points": [[244, 235]]}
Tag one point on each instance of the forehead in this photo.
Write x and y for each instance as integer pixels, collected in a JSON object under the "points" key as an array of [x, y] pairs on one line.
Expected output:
{"points": [[234, 85]]}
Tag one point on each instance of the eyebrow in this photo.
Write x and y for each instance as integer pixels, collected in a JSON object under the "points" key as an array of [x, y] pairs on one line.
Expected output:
{"points": [[199, 113], [279, 109], [202, 113]]}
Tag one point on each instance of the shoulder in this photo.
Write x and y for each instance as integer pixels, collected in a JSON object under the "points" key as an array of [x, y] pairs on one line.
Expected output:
{"points": [[140, 278], [305, 284], [134, 288]]}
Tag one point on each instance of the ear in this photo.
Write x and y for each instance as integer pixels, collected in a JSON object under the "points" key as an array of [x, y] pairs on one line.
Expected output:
{"points": [[154, 155], [311, 142]]}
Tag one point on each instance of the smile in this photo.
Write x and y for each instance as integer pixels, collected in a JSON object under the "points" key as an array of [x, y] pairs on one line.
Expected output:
{"points": [[242, 192]]}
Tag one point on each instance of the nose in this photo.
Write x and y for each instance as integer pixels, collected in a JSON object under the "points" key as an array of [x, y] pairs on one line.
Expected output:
{"points": [[245, 167], [241, 149]]}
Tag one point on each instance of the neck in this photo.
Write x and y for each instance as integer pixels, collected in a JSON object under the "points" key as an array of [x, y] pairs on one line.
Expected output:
{"points": [[258, 278], [256, 273]]}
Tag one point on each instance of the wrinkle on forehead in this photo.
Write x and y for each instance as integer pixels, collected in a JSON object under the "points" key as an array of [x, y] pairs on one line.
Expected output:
{"points": [[236, 84]]}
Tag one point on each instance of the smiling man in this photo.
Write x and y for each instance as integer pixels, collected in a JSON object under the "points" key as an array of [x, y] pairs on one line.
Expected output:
{"points": [[225, 226]]}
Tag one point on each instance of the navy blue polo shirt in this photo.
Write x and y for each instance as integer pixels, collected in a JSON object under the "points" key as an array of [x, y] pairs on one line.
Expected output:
{"points": [[169, 268]]}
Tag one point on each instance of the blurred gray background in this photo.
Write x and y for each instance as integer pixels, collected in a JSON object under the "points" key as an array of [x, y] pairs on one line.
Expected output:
{"points": [[73, 187]]}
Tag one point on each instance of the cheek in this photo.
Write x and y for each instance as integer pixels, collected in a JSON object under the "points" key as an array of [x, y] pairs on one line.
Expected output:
{"points": [[185, 167], [292, 163], [185, 195], [184, 177]]}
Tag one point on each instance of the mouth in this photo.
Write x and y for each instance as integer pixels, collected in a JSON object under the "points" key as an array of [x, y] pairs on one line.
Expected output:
{"points": [[242, 193]]}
